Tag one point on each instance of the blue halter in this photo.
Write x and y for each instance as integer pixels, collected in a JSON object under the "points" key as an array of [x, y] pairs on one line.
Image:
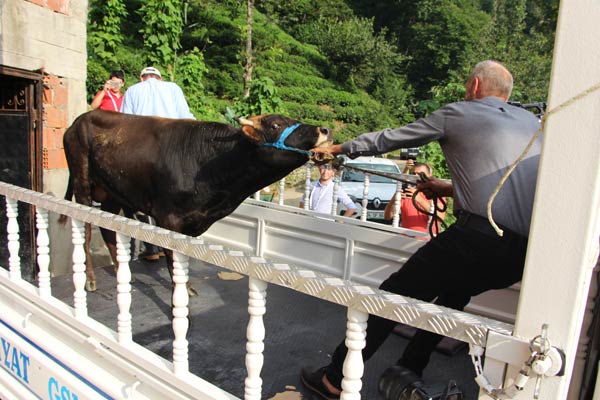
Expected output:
{"points": [[279, 144]]}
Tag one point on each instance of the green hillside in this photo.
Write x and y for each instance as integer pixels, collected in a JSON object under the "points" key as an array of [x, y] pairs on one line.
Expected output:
{"points": [[351, 65]]}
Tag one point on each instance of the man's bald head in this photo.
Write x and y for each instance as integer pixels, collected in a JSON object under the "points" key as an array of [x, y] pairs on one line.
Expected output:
{"points": [[489, 78]]}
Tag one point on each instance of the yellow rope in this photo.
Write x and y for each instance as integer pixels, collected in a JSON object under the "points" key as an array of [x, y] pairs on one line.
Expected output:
{"points": [[567, 103]]}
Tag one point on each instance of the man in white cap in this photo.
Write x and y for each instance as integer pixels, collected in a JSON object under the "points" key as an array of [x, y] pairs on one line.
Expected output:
{"points": [[155, 97]]}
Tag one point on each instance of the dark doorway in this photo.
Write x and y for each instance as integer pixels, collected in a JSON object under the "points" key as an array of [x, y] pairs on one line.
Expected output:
{"points": [[20, 155]]}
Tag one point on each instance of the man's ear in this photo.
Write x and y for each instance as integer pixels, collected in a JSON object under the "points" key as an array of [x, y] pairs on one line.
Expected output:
{"points": [[252, 134], [477, 88]]}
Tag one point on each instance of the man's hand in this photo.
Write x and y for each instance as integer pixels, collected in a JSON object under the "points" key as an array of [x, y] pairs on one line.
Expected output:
{"points": [[409, 191], [334, 150], [436, 187]]}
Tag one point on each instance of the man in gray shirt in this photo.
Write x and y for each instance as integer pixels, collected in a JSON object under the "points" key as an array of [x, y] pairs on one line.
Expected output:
{"points": [[480, 137]]}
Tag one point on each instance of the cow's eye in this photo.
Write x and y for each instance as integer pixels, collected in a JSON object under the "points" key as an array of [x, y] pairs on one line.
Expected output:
{"points": [[275, 127]]}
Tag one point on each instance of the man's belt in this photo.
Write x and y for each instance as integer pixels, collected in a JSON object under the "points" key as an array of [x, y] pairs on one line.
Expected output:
{"points": [[482, 225]]}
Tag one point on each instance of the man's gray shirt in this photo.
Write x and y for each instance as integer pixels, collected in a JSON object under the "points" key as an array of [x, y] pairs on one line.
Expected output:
{"points": [[480, 139]]}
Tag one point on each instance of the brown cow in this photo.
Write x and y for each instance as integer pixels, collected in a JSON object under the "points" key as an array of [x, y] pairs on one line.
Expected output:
{"points": [[184, 173]]}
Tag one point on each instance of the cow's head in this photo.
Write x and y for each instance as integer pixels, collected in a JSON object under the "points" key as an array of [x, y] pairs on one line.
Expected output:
{"points": [[284, 134]]}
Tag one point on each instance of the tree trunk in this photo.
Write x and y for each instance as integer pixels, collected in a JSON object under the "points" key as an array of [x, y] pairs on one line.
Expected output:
{"points": [[248, 67]]}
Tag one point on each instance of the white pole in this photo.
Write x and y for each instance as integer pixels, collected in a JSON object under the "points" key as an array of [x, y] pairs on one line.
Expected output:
{"points": [[12, 230], [563, 242], [124, 288], [356, 333], [43, 252], [180, 313], [79, 295], [255, 333]]}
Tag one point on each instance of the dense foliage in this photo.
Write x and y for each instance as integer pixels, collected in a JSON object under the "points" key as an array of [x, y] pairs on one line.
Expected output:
{"points": [[351, 65]]}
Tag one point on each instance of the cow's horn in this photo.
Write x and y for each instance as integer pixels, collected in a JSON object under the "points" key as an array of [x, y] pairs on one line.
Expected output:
{"points": [[244, 121]]}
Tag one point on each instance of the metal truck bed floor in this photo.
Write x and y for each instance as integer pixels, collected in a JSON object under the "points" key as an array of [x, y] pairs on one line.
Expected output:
{"points": [[301, 330]]}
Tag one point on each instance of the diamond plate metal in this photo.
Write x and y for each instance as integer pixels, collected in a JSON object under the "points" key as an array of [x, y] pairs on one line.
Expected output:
{"points": [[459, 325]]}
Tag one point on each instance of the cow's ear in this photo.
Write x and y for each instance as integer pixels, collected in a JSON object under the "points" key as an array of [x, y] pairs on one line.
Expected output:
{"points": [[252, 134]]}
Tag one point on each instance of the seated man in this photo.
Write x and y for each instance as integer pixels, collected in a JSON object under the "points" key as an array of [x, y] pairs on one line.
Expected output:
{"points": [[481, 137]]}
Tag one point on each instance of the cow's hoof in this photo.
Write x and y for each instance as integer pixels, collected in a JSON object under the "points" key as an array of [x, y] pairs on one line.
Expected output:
{"points": [[90, 286], [191, 291]]}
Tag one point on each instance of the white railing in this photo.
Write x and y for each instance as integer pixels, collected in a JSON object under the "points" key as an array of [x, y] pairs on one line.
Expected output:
{"points": [[61, 348]]}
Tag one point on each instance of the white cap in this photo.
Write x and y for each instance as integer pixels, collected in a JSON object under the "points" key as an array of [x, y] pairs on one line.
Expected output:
{"points": [[150, 70]]}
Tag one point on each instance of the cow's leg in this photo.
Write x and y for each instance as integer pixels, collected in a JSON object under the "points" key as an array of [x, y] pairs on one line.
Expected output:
{"points": [[110, 237], [90, 277], [82, 193], [190, 289]]}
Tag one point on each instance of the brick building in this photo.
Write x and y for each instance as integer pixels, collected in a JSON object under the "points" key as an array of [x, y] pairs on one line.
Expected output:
{"points": [[42, 90]]}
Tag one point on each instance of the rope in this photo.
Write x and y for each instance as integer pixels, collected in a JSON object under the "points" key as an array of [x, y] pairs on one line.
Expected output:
{"points": [[565, 104], [435, 220]]}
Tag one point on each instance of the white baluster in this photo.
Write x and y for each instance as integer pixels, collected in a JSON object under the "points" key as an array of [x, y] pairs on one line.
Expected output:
{"points": [[281, 190], [79, 295], [336, 191], [256, 335], [123, 288], [43, 252], [12, 230], [180, 313], [365, 199], [353, 369], [307, 188], [396, 220]]}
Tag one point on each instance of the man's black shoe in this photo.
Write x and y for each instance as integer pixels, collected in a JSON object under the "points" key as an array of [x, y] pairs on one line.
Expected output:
{"points": [[314, 382]]}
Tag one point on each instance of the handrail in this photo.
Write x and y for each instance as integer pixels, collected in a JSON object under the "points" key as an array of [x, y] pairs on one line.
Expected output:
{"points": [[459, 325], [361, 300]]}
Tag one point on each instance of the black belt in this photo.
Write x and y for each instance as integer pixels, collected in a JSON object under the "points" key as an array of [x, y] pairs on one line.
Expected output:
{"points": [[482, 225]]}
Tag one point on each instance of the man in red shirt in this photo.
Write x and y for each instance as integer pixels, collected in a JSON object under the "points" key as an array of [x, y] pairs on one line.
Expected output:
{"points": [[110, 97], [412, 218]]}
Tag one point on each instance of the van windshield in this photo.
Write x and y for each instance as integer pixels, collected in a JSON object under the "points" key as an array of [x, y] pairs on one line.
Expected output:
{"points": [[355, 176]]}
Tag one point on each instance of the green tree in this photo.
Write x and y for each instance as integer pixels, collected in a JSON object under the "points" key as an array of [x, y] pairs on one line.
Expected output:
{"points": [[355, 52], [263, 99], [522, 37], [191, 70], [104, 28], [443, 39], [161, 32]]}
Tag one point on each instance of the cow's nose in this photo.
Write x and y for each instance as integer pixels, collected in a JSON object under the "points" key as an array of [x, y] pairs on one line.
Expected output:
{"points": [[325, 131]]}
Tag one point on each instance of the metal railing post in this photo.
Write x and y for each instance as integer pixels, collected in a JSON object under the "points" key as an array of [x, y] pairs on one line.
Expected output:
{"points": [[180, 313], [12, 230], [124, 288], [255, 334], [356, 333], [43, 252], [79, 295]]}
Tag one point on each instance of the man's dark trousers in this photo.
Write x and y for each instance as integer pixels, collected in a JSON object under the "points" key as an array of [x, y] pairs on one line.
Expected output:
{"points": [[459, 263]]}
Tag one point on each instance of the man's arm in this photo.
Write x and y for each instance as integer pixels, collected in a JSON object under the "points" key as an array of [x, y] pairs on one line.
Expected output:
{"points": [[181, 105], [418, 133], [388, 213], [347, 202]]}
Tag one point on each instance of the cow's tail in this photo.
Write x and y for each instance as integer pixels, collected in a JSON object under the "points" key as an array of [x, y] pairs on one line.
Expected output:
{"points": [[68, 196]]}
